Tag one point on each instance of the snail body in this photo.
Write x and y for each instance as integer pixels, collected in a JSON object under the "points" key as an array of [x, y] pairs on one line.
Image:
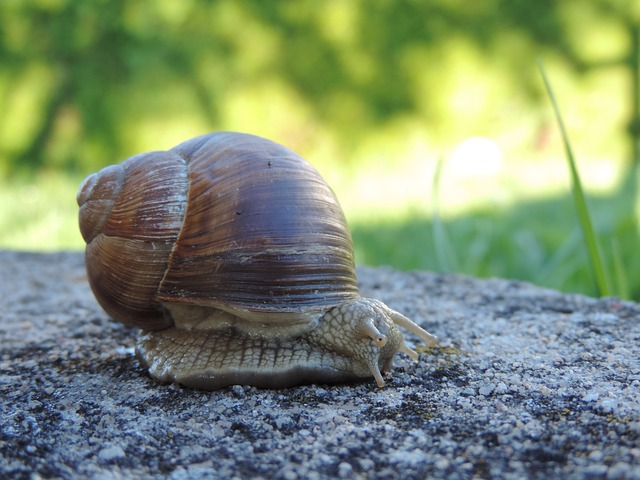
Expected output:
{"points": [[233, 257]]}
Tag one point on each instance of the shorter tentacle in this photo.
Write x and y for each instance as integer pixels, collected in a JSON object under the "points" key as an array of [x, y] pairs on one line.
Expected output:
{"points": [[412, 353], [375, 371]]}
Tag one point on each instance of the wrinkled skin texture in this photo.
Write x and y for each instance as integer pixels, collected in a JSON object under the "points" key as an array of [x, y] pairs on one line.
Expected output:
{"points": [[355, 340]]}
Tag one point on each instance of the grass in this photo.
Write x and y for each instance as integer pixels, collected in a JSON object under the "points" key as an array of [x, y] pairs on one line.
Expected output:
{"points": [[40, 214], [537, 239], [591, 241]]}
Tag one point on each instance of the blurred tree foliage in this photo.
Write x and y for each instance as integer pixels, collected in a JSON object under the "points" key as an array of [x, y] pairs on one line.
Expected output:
{"points": [[85, 83]]}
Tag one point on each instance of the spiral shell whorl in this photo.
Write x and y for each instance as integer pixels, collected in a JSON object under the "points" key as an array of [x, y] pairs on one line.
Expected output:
{"points": [[96, 197], [129, 244]]}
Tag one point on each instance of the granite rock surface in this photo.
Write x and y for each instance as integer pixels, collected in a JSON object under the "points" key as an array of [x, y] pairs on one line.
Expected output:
{"points": [[526, 383]]}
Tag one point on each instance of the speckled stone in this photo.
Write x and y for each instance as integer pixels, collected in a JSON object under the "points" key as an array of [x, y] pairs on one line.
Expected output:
{"points": [[526, 383]]}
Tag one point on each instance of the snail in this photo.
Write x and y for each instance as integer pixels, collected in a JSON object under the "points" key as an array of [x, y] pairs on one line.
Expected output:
{"points": [[233, 257]]}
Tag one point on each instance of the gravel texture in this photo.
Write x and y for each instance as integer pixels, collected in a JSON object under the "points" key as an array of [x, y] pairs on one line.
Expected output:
{"points": [[526, 383]]}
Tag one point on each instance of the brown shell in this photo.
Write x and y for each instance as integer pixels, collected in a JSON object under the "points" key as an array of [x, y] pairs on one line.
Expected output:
{"points": [[226, 220]]}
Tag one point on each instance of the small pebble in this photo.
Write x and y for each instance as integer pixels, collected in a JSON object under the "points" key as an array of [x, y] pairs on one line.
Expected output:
{"points": [[345, 470], [487, 389], [111, 453]]}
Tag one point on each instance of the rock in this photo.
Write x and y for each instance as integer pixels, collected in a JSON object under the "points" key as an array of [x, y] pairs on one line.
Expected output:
{"points": [[526, 383], [109, 454]]}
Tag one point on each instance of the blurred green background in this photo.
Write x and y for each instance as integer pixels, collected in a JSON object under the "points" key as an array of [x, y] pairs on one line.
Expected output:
{"points": [[374, 93]]}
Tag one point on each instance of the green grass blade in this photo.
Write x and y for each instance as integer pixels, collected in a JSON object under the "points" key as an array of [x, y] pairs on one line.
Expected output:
{"points": [[445, 257], [590, 239], [622, 283]]}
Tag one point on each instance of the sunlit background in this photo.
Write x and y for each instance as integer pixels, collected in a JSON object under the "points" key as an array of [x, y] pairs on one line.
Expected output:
{"points": [[374, 94]]}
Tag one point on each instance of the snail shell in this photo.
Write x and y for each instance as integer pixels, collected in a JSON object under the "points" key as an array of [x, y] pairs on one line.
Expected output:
{"points": [[233, 257]]}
